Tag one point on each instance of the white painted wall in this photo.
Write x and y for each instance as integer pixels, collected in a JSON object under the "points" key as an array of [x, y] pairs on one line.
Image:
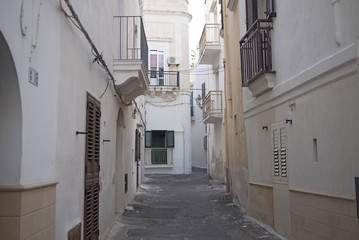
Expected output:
{"points": [[52, 112], [316, 69], [166, 25], [199, 154], [165, 113], [38, 138], [216, 150]]}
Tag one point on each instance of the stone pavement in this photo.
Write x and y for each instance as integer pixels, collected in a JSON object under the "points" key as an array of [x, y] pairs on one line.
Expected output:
{"points": [[185, 207]]}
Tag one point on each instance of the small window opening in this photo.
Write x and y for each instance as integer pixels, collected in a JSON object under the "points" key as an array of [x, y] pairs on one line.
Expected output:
{"points": [[235, 123], [315, 150], [126, 183]]}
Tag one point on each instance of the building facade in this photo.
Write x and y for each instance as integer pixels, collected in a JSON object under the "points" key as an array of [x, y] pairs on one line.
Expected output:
{"points": [[300, 91], [211, 57], [71, 116], [167, 102]]}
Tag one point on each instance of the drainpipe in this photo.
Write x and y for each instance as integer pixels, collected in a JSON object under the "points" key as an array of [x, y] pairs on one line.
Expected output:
{"points": [[228, 99]]}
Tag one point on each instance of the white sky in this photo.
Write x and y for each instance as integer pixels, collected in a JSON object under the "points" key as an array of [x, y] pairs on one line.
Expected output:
{"points": [[196, 9]]}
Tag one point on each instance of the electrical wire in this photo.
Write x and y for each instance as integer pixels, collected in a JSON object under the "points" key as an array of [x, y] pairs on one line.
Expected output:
{"points": [[98, 57]]}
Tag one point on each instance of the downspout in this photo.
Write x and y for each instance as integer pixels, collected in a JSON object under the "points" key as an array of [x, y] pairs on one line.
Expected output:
{"points": [[228, 99]]}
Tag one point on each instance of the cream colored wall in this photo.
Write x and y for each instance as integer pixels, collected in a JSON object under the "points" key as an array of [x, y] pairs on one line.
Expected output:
{"points": [[236, 141]]}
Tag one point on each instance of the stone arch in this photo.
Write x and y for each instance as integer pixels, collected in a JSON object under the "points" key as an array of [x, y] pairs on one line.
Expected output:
{"points": [[10, 118], [119, 198]]}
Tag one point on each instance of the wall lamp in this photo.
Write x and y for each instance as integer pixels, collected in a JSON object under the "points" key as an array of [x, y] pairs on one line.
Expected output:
{"points": [[77, 132], [199, 101], [289, 121], [265, 128]]}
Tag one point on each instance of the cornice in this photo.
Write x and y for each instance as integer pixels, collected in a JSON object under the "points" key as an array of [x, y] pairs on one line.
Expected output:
{"points": [[170, 13]]}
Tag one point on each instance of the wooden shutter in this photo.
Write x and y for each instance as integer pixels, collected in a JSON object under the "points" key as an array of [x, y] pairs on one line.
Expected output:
{"points": [[270, 12], [276, 146], [279, 136], [203, 90], [138, 146], [170, 139], [283, 152], [148, 139], [92, 169], [251, 12]]}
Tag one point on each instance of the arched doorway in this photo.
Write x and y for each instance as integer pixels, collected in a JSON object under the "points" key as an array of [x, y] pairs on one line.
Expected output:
{"points": [[120, 202], [10, 118]]}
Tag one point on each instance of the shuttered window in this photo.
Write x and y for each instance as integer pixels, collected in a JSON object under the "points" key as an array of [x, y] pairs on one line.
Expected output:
{"points": [[279, 138], [170, 139], [160, 139], [251, 12], [92, 169]]}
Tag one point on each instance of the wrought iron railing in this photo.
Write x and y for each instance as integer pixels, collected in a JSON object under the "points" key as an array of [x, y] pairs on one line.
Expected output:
{"points": [[212, 103], [256, 51], [164, 78], [159, 156], [132, 39], [210, 36]]}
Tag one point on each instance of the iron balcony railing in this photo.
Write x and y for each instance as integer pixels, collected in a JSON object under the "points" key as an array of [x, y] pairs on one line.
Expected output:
{"points": [[132, 39], [210, 36], [256, 51], [212, 103], [164, 78]]}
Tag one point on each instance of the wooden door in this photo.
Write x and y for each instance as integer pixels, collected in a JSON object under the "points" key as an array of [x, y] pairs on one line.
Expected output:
{"points": [[138, 155], [92, 169]]}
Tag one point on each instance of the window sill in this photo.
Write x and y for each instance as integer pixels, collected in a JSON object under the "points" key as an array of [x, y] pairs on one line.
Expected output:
{"points": [[159, 166]]}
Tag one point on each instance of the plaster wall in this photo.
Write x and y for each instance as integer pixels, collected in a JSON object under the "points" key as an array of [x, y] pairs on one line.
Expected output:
{"points": [[199, 153], [172, 114], [236, 133], [38, 139], [169, 24], [316, 86]]}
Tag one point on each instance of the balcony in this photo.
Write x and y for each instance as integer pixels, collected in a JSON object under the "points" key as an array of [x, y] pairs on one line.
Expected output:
{"points": [[256, 58], [164, 82], [131, 57], [212, 107], [209, 44]]}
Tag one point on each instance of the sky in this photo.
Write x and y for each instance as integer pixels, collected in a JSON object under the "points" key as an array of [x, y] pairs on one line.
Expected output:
{"points": [[196, 9]]}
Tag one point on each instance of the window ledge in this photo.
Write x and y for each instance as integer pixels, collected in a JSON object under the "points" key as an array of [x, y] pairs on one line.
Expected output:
{"points": [[159, 166]]}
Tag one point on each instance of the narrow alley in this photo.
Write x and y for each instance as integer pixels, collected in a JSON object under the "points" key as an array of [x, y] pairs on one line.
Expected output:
{"points": [[185, 207]]}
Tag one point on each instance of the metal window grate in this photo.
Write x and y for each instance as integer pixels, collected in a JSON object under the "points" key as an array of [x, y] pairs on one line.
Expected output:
{"points": [[159, 155]]}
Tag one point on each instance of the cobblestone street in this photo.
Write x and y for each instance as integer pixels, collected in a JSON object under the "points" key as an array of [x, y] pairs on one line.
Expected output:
{"points": [[185, 207]]}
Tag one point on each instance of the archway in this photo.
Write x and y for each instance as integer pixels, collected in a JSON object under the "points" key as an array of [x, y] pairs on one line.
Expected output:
{"points": [[10, 118], [120, 202]]}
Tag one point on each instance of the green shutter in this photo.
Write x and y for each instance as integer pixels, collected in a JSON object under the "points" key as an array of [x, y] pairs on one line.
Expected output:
{"points": [[148, 139], [170, 139]]}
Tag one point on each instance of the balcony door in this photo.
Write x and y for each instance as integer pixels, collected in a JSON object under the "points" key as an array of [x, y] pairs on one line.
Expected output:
{"points": [[157, 67]]}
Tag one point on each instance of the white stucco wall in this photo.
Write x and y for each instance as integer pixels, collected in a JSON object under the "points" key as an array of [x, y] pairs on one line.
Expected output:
{"points": [[172, 114], [52, 112], [38, 133], [317, 71], [199, 154]]}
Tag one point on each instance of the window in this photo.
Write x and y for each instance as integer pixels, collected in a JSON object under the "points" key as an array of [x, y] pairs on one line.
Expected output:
{"points": [[192, 108], [261, 9], [159, 139], [203, 90], [157, 67], [279, 139]]}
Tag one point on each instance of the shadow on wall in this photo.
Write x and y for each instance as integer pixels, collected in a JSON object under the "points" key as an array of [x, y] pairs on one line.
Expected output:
{"points": [[10, 118]]}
